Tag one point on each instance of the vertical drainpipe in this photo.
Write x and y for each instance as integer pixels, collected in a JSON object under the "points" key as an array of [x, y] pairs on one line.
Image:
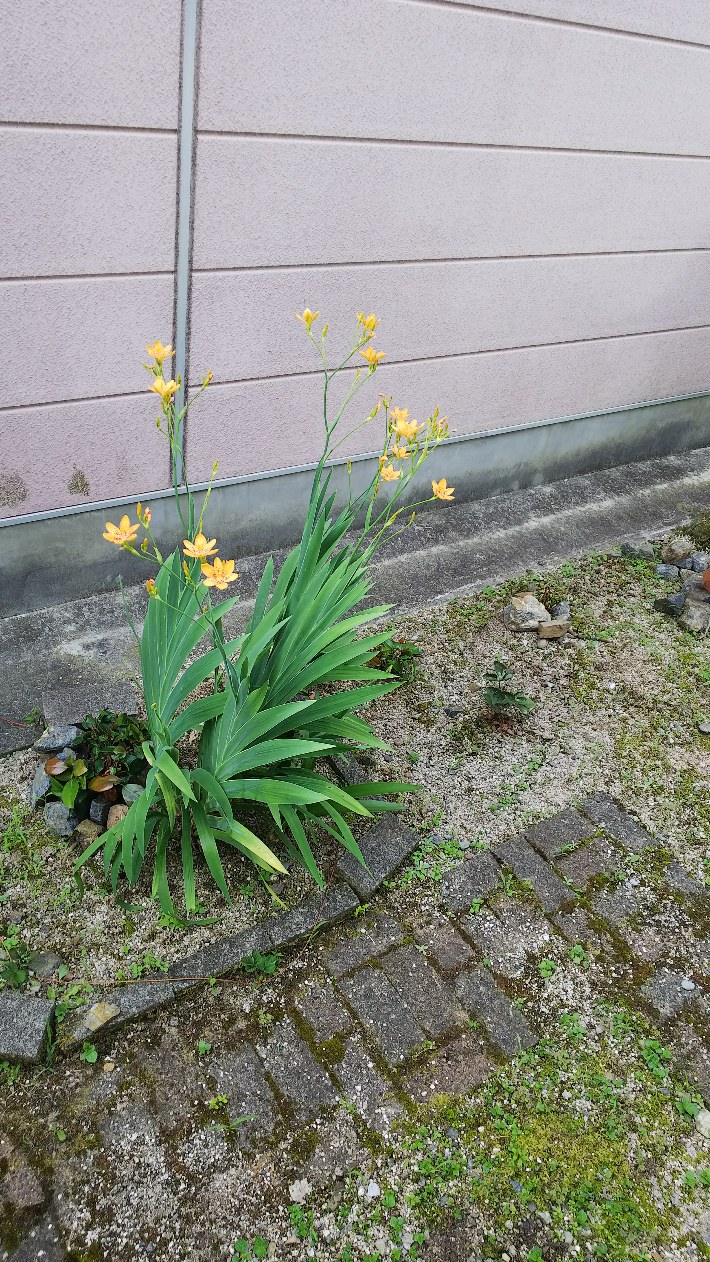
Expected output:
{"points": [[186, 164]]}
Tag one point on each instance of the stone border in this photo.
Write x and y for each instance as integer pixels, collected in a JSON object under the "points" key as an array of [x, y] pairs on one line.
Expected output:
{"points": [[558, 858], [27, 1023]]}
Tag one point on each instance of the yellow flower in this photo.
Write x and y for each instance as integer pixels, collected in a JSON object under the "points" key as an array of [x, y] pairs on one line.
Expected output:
{"points": [[307, 317], [389, 474], [144, 516], [442, 491], [201, 547], [123, 533], [219, 574], [166, 389], [401, 453], [398, 414], [151, 588], [158, 352], [372, 356], [147, 517], [369, 323], [407, 429]]}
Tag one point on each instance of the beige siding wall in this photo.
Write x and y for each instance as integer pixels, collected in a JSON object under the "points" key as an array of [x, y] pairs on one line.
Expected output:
{"points": [[523, 199]]}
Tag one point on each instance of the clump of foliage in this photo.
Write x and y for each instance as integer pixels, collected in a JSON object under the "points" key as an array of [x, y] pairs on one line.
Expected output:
{"points": [[110, 757], [399, 657], [15, 958], [699, 531], [266, 716], [500, 699]]}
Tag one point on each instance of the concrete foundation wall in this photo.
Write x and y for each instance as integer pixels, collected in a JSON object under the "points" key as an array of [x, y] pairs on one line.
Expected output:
{"points": [[519, 189]]}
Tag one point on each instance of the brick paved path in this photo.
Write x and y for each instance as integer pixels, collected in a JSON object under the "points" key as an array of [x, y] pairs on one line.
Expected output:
{"points": [[381, 1014]]}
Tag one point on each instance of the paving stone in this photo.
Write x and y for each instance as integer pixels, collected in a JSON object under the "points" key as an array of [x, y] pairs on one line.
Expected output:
{"points": [[319, 1005], [240, 1076], [43, 1244], [574, 925], [583, 865], [500, 953], [21, 1192], [132, 1001], [384, 847], [382, 1010], [605, 812], [428, 999], [664, 991], [444, 945], [631, 916], [297, 1074], [529, 866], [72, 705], [455, 1069], [218, 958], [24, 1023], [679, 880], [566, 828], [347, 768], [338, 1150], [174, 1080], [365, 1087], [474, 878], [618, 904], [505, 1025], [377, 933], [307, 916]]}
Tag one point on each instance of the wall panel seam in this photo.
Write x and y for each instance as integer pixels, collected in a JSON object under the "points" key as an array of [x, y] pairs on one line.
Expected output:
{"points": [[546, 20], [312, 139], [452, 259], [105, 128]]}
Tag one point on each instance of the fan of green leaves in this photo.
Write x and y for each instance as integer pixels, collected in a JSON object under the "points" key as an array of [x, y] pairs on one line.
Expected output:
{"points": [[259, 744]]}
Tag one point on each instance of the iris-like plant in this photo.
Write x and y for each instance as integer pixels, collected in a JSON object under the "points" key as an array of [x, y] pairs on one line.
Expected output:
{"points": [[262, 727]]}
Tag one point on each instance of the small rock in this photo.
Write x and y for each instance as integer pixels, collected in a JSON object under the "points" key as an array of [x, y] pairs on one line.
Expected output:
{"points": [[116, 814], [695, 616], [60, 819], [40, 786], [299, 1191], [22, 1189], [637, 548], [98, 811], [670, 605], [44, 963], [561, 611], [686, 984], [88, 831], [454, 711], [373, 1191], [555, 629], [704, 727], [525, 612], [55, 738], [702, 1123], [464, 845], [685, 563], [700, 562], [109, 1066], [675, 548], [98, 1015], [667, 571]]}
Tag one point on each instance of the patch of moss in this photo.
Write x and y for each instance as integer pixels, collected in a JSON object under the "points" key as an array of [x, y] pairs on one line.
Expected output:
{"points": [[699, 531]]}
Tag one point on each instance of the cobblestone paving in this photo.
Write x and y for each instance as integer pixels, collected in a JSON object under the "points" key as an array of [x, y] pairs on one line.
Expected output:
{"points": [[377, 1013]]}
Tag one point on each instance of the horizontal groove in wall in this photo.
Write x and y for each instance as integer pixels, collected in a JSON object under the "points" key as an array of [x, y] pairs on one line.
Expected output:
{"points": [[72, 276], [303, 138], [107, 128], [493, 350], [427, 262], [389, 363], [517, 15]]}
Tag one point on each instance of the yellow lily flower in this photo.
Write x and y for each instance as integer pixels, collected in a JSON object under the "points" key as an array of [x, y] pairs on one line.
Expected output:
{"points": [[166, 389], [307, 317], [151, 588], [372, 356], [200, 548], [158, 352], [400, 453], [123, 533], [389, 474], [369, 323], [398, 414], [407, 429], [442, 491], [219, 574]]}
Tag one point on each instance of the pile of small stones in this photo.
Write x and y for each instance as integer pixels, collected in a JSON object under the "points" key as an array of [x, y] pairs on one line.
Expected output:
{"points": [[680, 562], [526, 613], [61, 742]]}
